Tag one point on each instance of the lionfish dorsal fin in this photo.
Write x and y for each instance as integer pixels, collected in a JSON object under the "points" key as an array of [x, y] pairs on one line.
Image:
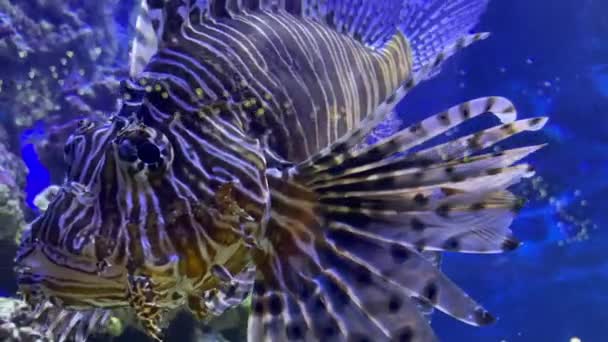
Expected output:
{"points": [[148, 28], [372, 23], [429, 25], [155, 18]]}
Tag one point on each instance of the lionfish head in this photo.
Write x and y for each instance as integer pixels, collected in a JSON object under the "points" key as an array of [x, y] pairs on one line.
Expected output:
{"points": [[78, 254]]}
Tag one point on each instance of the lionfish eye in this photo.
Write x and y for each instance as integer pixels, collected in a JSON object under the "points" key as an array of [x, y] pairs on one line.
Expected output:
{"points": [[142, 150], [148, 153]]}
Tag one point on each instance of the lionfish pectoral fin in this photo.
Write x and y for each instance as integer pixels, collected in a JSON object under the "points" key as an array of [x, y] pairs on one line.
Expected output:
{"points": [[143, 301], [350, 230], [338, 299], [230, 293]]}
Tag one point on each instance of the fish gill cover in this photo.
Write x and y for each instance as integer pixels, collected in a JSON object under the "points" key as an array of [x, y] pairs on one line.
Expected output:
{"points": [[63, 62]]}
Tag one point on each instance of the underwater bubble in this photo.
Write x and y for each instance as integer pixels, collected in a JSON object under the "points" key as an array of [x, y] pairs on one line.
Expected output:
{"points": [[562, 210], [95, 53]]}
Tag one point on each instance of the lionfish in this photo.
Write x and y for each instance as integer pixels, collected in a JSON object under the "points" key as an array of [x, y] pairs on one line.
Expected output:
{"points": [[238, 165]]}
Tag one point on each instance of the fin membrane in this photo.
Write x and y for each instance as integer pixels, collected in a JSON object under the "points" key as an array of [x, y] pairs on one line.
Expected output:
{"points": [[350, 230], [148, 30], [389, 126], [372, 23], [431, 25], [231, 293]]}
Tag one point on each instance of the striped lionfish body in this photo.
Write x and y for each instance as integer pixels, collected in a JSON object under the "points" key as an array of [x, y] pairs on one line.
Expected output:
{"points": [[237, 166]]}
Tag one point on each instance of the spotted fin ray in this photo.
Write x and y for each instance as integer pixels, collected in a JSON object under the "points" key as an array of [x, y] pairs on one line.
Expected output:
{"points": [[348, 231], [148, 30], [424, 307], [431, 25]]}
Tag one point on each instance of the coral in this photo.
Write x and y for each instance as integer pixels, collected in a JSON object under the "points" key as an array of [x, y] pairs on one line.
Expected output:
{"points": [[61, 62], [11, 215], [92, 101], [12, 170], [44, 198], [16, 323], [12, 181]]}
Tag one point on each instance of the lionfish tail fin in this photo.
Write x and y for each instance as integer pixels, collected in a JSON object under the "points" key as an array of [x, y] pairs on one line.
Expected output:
{"points": [[348, 233]]}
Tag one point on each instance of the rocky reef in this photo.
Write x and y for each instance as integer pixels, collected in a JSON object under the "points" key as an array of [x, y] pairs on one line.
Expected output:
{"points": [[16, 323], [12, 183], [61, 62]]}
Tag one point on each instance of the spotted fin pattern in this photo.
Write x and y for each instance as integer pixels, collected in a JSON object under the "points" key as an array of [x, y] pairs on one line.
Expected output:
{"points": [[349, 231], [432, 24], [424, 307], [148, 29]]}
